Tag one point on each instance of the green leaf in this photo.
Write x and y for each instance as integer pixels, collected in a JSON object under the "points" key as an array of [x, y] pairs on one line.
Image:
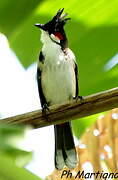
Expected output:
{"points": [[82, 124], [8, 171], [18, 156], [10, 130], [13, 14], [9, 138]]}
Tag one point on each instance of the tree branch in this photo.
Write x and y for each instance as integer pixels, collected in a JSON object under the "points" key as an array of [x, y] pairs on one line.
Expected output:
{"points": [[92, 104]]}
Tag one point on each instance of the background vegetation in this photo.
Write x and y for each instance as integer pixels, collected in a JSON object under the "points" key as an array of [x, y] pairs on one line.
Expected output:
{"points": [[93, 36]]}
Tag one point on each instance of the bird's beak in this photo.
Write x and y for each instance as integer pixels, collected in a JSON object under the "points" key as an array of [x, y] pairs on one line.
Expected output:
{"points": [[41, 26]]}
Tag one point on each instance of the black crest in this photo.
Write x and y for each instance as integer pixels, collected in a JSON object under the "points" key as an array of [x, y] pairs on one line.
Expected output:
{"points": [[56, 24]]}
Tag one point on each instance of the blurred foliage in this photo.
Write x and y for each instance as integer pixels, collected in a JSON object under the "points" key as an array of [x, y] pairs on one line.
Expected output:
{"points": [[9, 171], [11, 155], [81, 125], [92, 33], [98, 148], [10, 137]]}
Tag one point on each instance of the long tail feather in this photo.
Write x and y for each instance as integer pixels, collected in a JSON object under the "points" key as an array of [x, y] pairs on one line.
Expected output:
{"points": [[65, 153], [59, 159], [70, 155]]}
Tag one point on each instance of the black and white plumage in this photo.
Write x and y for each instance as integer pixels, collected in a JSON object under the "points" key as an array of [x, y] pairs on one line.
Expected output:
{"points": [[57, 77]]}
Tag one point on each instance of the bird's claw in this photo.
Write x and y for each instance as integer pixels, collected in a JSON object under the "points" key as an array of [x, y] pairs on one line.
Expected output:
{"points": [[79, 98], [45, 109]]}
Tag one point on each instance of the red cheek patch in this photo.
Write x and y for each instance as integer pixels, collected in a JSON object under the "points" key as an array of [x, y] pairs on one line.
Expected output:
{"points": [[59, 35]]}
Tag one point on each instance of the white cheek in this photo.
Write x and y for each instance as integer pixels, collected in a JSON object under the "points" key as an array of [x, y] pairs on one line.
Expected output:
{"points": [[55, 38]]}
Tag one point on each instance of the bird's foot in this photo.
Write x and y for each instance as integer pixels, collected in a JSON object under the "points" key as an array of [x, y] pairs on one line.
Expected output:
{"points": [[78, 98], [45, 111]]}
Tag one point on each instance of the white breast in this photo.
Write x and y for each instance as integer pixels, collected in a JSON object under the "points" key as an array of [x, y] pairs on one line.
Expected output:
{"points": [[58, 76]]}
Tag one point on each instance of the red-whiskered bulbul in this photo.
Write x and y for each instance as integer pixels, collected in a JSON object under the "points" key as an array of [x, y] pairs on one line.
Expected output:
{"points": [[57, 77]]}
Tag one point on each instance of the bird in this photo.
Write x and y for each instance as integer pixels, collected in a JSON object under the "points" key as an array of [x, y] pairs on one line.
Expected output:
{"points": [[57, 78]]}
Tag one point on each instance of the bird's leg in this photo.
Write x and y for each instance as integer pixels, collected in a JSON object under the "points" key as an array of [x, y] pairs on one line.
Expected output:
{"points": [[78, 98], [45, 109]]}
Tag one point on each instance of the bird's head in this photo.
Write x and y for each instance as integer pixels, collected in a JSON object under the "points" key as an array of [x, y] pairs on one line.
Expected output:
{"points": [[55, 28]]}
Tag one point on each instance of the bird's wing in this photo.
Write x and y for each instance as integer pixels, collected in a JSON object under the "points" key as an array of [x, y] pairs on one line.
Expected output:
{"points": [[39, 72], [76, 79]]}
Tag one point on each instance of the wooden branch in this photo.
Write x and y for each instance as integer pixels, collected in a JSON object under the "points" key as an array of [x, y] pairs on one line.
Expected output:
{"points": [[92, 104]]}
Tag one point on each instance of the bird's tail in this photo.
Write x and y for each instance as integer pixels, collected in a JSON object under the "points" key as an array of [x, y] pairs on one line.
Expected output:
{"points": [[65, 152]]}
